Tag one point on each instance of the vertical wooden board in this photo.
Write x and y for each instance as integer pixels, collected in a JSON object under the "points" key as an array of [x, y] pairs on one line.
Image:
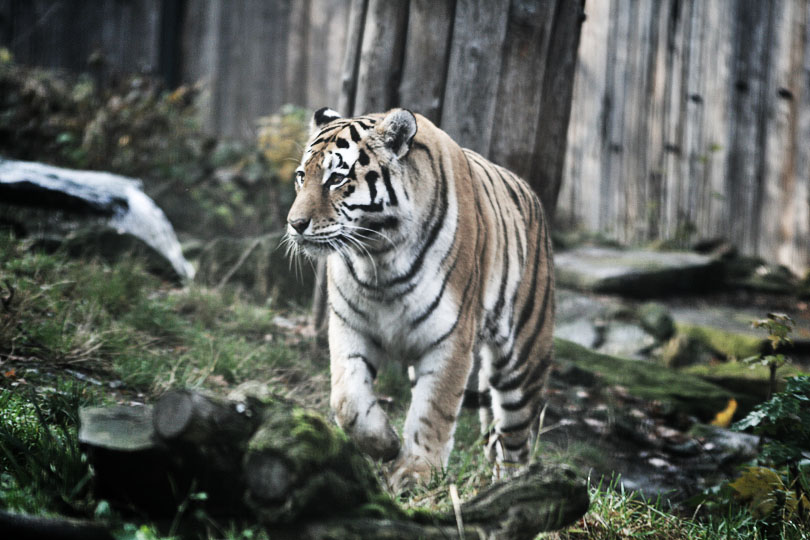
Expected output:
{"points": [[673, 159], [693, 143], [525, 54], [479, 30], [744, 174], [779, 213], [636, 145], [380, 56], [301, 68], [226, 96], [351, 59], [326, 46], [266, 44], [776, 116], [657, 94], [555, 103], [200, 55], [612, 187], [714, 218], [579, 199], [796, 255], [424, 69]]}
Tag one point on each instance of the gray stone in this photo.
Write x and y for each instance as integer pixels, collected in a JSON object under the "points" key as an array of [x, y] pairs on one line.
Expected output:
{"points": [[626, 340], [656, 319], [89, 212], [580, 331], [636, 273]]}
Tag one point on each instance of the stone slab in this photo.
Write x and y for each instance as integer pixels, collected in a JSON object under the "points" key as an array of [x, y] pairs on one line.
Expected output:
{"points": [[636, 273]]}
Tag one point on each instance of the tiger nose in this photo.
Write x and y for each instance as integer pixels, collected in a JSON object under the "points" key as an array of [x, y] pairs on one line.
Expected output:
{"points": [[299, 225]]}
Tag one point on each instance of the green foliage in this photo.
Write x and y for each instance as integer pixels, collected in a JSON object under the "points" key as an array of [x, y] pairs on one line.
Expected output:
{"points": [[785, 422], [207, 187], [41, 465]]}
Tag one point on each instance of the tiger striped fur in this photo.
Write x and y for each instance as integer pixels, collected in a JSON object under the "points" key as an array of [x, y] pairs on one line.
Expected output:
{"points": [[437, 258]]}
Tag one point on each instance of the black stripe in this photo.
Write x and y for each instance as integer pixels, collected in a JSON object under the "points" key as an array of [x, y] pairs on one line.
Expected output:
{"points": [[392, 196], [351, 305], [433, 305], [464, 300], [528, 304], [372, 339], [354, 134], [432, 235], [516, 427], [528, 395], [366, 361], [511, 447]]}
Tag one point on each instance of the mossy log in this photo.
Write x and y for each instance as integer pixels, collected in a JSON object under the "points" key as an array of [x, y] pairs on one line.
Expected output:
{"points": [[288, 468]]}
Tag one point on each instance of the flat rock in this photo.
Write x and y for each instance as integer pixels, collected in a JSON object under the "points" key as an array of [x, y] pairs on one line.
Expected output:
{"points": [[635, 273], [89, 212]]}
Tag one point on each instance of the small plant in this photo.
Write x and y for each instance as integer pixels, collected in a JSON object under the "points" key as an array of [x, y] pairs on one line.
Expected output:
{"points": [[783, 423], [779, 326]]}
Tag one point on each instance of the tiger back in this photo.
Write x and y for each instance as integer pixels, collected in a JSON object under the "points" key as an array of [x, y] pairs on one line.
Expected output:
{"points": [[436, 258]]}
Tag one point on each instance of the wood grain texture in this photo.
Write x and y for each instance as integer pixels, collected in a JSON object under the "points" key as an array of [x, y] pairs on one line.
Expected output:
{"points": [[687, 122], [379, 70], [473, 73], [424, 69], [517, 105]]}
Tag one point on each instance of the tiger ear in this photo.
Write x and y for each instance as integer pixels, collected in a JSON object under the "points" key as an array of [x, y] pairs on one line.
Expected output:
{"points": [[322, 116], [397, 130]]}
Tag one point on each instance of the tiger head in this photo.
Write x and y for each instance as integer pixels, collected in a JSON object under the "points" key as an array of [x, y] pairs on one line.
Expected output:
{"points": [[350, 193]]}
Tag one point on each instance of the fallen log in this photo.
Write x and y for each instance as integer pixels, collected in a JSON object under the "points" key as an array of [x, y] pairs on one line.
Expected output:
{"points": [[271, 461]]}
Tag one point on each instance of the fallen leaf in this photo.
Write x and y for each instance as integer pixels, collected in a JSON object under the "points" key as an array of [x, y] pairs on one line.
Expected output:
{"points": [[723, 418]]}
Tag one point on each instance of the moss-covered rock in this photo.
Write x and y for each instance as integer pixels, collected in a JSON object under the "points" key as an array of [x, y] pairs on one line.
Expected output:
{"points": [[680, 391], [729, 343], [311, 469], [656, 319], [685, 350]]}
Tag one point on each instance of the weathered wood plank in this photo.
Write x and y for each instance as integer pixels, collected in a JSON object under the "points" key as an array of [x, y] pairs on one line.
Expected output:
{"points": [[381, 56], [795, 252], [555, 103], [579, 203], [327, 22], [517, 106], [473, 72], [351, 58], [424, 69]]}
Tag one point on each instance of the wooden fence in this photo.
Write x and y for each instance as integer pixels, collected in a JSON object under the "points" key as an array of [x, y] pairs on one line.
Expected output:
{"points": [[691, 119], [496, 74]]}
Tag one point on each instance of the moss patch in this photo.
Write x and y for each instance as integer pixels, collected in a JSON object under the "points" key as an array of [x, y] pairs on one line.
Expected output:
{"points": [[731, 344], [682, 391]]}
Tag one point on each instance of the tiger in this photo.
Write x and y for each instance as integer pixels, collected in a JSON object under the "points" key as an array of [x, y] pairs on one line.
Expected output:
{"points": [[437, 258]]}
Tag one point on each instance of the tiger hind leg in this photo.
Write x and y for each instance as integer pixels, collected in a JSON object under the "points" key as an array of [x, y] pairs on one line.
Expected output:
{"points": [[516, 391]]}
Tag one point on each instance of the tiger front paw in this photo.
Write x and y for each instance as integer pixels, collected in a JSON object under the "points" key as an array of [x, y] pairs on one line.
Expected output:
{"points": [[407, 472], [372, 433]]}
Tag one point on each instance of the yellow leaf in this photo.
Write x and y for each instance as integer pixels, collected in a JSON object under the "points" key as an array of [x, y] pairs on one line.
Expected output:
{"points": [[723, 418], [763, 490]]}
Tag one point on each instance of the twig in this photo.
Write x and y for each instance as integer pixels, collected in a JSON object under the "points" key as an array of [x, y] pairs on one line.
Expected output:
{"points": [[457, 510], [242, 258], [7, 300]]}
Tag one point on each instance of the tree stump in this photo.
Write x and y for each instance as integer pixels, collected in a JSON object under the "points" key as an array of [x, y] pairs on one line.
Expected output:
{"points": [[271, 461]]}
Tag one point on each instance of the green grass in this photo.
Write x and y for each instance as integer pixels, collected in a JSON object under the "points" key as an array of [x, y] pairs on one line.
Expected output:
{"points": [[118, 323]]}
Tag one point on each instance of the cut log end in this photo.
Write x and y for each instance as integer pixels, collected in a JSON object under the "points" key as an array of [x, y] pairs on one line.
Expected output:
{"points": [[174, 413], [268, 477]]}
